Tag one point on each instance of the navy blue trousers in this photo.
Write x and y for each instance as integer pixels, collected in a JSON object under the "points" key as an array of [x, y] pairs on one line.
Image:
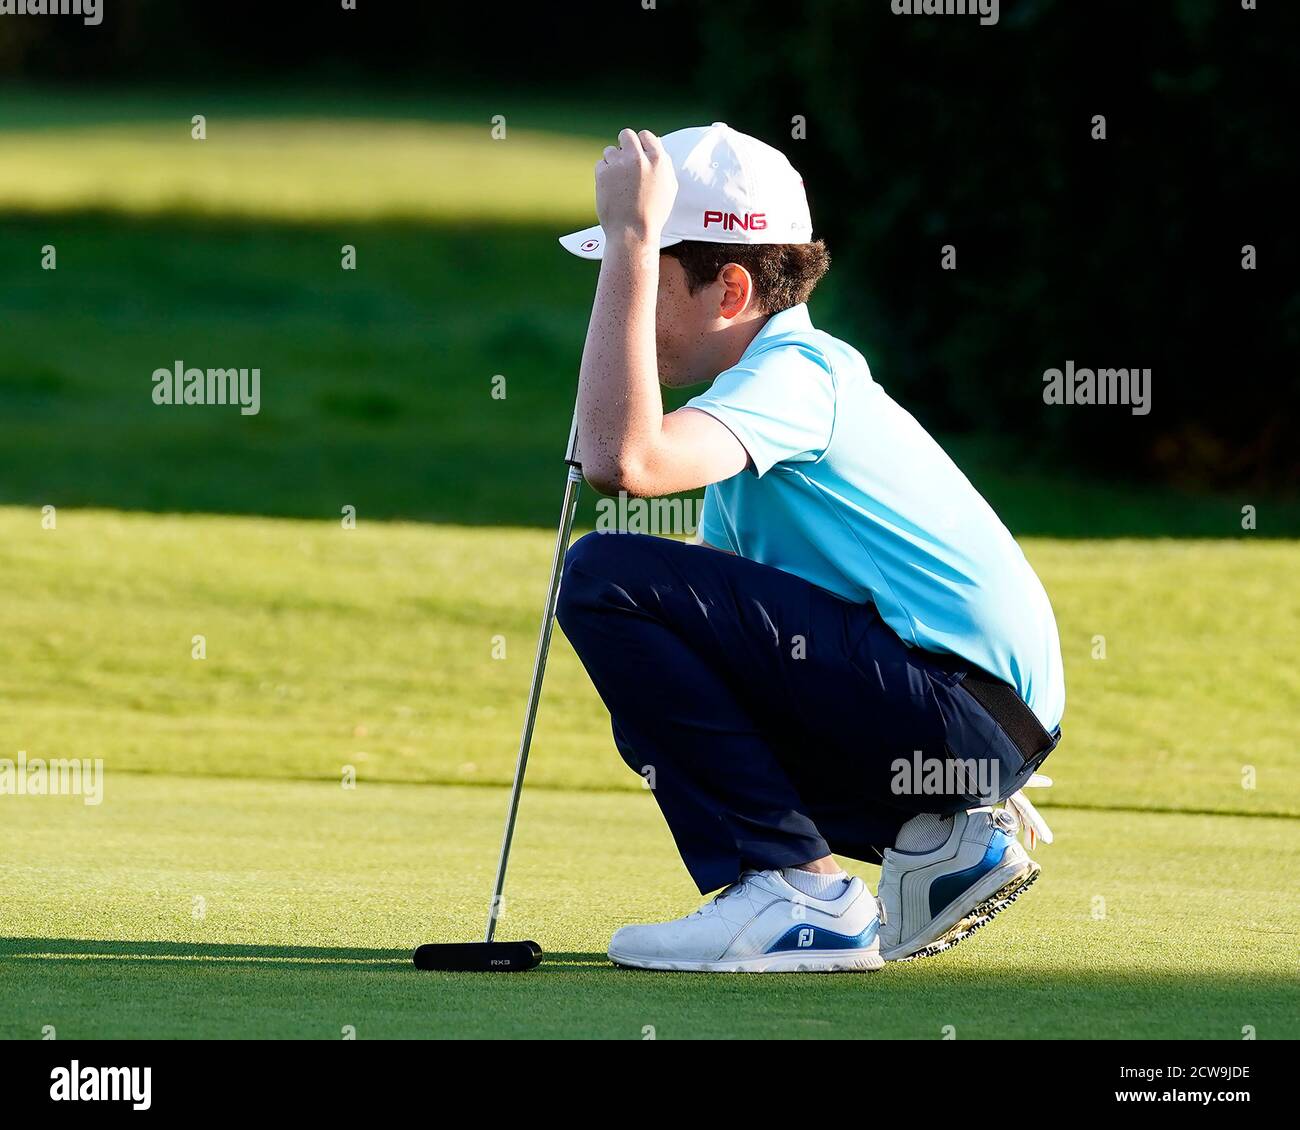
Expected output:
{"points": [[767, 715]]}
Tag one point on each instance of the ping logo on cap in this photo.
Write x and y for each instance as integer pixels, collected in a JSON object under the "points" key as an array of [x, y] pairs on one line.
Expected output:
{"points": [[724, 178], [749, 221]]}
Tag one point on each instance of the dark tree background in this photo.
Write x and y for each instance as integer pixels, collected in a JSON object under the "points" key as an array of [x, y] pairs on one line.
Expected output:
{"points": [[1124, 252]]}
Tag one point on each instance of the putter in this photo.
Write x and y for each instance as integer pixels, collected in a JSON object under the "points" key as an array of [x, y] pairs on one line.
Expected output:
{"points": [[490, 956]]}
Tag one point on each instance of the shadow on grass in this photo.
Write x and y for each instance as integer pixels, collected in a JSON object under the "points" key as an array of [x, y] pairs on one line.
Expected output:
{"points": [[228, 953], [153, 990], [68, 105], [95, 950], [380, 388]]}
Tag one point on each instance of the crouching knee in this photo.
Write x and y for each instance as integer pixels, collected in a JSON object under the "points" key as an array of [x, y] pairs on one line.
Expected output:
{"points": [[580, 581], [596, 565]]}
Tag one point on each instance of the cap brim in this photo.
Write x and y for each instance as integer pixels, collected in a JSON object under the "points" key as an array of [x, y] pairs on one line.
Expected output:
{"points": [[590, 242]]}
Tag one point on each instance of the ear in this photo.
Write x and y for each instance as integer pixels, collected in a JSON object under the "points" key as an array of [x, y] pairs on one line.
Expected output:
{"points": [[737, 291]]}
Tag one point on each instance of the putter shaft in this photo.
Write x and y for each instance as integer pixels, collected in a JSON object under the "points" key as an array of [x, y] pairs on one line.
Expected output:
{"points": [[572, 485]]}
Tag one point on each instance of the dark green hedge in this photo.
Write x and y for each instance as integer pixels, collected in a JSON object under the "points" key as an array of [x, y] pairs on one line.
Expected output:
{"points": [[924, 131]]}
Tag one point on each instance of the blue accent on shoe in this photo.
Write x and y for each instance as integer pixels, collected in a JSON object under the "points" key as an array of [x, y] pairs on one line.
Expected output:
{"points": [[819, 938], [943, 891]]}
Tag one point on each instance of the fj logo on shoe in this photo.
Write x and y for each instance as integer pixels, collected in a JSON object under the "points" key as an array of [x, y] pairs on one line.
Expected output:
{"points": [[805, 937]]}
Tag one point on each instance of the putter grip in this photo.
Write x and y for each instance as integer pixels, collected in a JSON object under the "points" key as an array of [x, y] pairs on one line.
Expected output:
{"points": [[571, 452]]}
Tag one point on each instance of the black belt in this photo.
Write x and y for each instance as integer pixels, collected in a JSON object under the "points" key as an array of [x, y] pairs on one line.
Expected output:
{"points": [[1009, 711]]}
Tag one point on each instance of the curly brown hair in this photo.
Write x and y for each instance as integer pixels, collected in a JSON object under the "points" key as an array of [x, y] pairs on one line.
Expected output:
{"points": [[784, 274]]}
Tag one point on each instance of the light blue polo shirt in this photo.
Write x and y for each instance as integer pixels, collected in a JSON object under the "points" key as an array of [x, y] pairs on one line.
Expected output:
{"points": [[849, 492]]}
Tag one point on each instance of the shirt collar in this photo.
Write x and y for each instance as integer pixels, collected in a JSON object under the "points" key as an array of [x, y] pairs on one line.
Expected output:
{"points": [[794, 320]]}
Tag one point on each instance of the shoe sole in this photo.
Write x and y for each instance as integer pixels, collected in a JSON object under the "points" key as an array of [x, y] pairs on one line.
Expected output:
{"points": [[825, 961], [981, 914]]}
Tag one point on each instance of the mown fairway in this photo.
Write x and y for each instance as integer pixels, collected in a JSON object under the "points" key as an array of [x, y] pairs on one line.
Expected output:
{"points": [[313, 898], [230, 886]]}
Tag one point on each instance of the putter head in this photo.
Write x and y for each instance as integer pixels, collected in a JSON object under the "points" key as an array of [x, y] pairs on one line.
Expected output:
{"points": [[478, 957]]}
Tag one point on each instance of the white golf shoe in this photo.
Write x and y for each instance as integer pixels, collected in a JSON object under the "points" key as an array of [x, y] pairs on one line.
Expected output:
{"points": [[931, 900], [761, 924]]}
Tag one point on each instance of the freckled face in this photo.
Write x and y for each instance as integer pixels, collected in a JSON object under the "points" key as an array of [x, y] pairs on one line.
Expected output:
{"points": [[682, 325]]}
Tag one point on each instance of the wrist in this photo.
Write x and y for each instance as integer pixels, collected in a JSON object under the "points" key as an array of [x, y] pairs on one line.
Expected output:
{"points": [[633, 254], [631, 246]]}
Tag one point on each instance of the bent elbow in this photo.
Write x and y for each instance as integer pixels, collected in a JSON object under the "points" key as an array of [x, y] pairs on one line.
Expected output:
{"points": [[616, 476]]}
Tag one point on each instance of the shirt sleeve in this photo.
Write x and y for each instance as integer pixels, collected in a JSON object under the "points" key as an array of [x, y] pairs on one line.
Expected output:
{"points": [[780, 404], [712, 528]]}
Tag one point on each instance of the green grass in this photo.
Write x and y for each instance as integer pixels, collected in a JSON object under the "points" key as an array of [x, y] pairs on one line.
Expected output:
{"points": [[597, 117], [373, 647], [310, 155], [437, 172], [313, 897], [377, 384]]}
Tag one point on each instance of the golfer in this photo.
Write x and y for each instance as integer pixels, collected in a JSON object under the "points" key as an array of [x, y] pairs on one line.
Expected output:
{"points": [[858, 659]]}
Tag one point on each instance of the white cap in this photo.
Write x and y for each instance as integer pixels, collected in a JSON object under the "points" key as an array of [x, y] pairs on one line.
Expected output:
{"points": [[731, 188]]}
